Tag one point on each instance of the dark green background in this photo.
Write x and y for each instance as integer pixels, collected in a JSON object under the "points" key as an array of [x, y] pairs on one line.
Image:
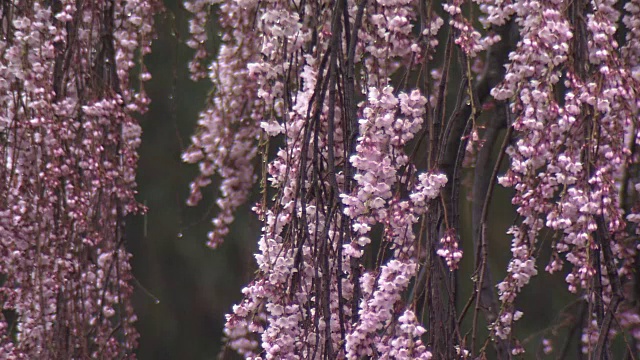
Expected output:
{"points": [[195, 285]]}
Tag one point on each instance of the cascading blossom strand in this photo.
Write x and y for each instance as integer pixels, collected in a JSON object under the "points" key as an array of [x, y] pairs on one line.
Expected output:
{"points": [[563, 179], [67, 166], [349, 104]]}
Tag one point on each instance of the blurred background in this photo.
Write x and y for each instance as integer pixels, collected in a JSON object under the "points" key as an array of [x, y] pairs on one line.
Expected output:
{"points": [[183, 289]]}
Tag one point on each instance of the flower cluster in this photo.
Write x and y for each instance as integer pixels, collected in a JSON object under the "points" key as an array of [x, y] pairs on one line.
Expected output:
{"points": [[631, 49], [379, 158], [198, 31], [217, 147], [495, 12], [449, 250], [344, 90], [67, 167], [383, 137], [406, 343], [469, 39], [387, 39], [270, 77], [379, 303], [377, 308], [563, 179]]}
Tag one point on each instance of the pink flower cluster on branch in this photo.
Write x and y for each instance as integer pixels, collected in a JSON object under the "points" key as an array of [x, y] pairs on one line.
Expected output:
{"points": [[467, 37], [281, 60], [218, 147], [570, 161], [342, 87], [67, 168]]}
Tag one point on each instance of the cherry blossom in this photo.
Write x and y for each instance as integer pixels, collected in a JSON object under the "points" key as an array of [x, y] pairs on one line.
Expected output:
{"points": [[68, 161], [341, 113]]}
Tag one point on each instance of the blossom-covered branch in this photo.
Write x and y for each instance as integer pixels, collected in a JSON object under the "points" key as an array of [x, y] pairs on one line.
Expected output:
{"points": [[349, 103], [67, 174]]}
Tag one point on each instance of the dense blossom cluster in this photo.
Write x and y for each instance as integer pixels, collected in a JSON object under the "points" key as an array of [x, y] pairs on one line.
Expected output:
{"points": [[294, 286], [341, 262], [226, 141], [67, 174], [571, 160], [468, 38]]}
